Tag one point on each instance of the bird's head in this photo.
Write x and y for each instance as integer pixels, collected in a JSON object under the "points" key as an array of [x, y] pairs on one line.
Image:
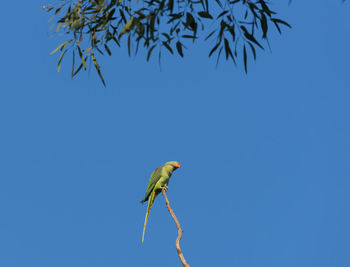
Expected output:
{"points": [[174, 164]]}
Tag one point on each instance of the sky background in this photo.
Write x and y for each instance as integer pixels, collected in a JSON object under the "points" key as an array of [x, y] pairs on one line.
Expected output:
{"points": [[265, 157]]}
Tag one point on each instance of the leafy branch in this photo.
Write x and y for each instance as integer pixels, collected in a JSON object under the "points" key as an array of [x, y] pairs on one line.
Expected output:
{"points": [[92, 26]]}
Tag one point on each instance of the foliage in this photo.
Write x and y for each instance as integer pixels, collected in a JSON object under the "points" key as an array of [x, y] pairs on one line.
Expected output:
{"points": [[235, 27]]}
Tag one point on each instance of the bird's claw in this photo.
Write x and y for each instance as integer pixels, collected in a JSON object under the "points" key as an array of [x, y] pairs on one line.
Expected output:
{"points": [[165, 188]]}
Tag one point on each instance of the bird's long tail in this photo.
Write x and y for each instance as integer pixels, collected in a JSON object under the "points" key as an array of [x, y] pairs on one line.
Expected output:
{"points": [[150, 203]]}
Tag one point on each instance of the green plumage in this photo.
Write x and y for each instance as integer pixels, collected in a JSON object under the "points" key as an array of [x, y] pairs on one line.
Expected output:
{"points": [[159, 178]]}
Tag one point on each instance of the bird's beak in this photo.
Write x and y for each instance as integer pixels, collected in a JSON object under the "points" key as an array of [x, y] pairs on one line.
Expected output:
{"points": [[178, 165]]}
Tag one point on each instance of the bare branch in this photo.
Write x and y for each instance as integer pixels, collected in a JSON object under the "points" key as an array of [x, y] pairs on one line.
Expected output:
{"points": [[179, 230]]}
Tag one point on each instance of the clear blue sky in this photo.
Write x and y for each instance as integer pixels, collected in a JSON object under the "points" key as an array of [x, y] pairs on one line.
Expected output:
{"points": [[265, 178]]}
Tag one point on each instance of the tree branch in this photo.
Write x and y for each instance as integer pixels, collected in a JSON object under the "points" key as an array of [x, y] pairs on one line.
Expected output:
{"points": [[179, 230]]}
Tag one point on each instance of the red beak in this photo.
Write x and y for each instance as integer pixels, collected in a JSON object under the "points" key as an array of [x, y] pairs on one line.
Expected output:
{"points": [[178, 165]]}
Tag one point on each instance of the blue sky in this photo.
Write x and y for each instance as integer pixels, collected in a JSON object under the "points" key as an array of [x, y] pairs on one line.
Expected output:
{"points": [[265, 156]]}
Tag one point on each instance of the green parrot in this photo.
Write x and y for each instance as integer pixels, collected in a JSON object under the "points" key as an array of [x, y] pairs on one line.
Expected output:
{"points": [[159, 178]]}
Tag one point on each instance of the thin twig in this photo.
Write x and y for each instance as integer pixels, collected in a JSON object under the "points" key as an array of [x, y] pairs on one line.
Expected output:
{"points": [[179, 230]]}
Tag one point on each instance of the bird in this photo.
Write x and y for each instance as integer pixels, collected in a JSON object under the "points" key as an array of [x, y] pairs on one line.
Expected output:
{"points": [[159, 179]]}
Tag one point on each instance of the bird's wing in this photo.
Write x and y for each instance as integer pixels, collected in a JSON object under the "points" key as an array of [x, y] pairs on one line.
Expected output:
{"points": [[155, 176]]}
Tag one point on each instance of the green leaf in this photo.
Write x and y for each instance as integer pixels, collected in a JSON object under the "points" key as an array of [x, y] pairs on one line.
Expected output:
{"points": [[150, 52], [87, 50], [265, 8], [253, 50], [179, 48], [278, 27], [189, 36], [58, 27], [250, 37], [127, 26], [116, 40], [60, 60], [219, 3], [97, 67], [167, 36], [122, 15], [227, 48], [174, 17], [171, 5], [245, 59], [73, 64], [168, 47], [57, 11], [107, 49], [281, 22], [81, 57], [190, 21], [79, 68], [222, 14], [218, 58], [231, 29], [209, 35], [129, 45], [205, 14], [263, 23], [234, 2], [213, 49], [61, 46]]}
